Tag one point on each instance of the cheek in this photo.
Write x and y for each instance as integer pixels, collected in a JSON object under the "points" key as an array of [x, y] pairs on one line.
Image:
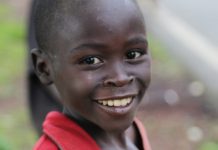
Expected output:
{"points": [[79, 95], [142, 74], [83, 84], [74, 84], [146, 75], [76, 90], [143, 71], [147, 69]]}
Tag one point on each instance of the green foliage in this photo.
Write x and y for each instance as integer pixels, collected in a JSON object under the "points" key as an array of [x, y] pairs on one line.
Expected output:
{"points": [[4, 10], [4, 145], [12, 50], [16, 131], [209, 146]]}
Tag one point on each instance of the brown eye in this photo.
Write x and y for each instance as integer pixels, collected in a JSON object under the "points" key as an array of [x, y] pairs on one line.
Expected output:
{"points": [[91, 60], [133, 54]]}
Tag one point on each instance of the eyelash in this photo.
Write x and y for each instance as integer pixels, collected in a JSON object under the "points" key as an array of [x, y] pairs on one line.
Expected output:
{"points": [[95, 60], [134, 54], [90, 60]]}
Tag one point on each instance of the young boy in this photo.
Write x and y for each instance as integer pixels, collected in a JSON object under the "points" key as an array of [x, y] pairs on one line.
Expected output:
{"points": [[96, 54]]}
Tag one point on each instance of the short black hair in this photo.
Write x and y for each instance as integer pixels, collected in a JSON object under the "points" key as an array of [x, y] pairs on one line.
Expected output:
{"points": [[51, 17]]}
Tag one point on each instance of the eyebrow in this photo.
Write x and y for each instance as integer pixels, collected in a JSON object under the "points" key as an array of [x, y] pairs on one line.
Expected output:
{"points": [[136, 40], [99, 45], [94, 45]]}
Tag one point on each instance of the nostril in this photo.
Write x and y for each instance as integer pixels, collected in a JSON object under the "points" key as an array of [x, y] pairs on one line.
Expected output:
{"points": [[118, 82], [109, 83], [131, 79]]}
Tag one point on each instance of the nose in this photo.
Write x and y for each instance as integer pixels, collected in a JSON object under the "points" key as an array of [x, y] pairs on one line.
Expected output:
{"points": [[117, 77]]}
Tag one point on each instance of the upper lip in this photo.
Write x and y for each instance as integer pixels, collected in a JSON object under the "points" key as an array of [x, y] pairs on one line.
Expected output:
{"points": [[115, 97]]}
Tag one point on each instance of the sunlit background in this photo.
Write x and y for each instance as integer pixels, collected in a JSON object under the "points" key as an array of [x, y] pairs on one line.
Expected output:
{"points": [[180, 108]]}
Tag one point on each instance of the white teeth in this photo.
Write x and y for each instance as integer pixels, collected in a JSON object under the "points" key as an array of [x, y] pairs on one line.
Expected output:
{"points": [[124, 102], [116, 102], [110, 103], [128, 100], [104, 103]]}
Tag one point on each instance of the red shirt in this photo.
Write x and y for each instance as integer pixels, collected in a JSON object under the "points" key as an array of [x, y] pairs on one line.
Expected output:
{"points": [[61, 133]]}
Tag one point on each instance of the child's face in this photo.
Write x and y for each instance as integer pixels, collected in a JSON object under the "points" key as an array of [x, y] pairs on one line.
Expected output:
{"points": [[103, 69]]}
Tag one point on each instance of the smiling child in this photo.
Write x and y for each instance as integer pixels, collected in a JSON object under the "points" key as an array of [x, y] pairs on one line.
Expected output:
{"points": [[96, 54]]}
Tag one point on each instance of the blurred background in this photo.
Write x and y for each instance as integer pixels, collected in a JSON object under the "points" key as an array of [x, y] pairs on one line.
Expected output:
{"points": [[180, 108]]}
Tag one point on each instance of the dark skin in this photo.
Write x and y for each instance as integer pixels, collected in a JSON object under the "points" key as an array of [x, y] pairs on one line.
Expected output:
{"points": [[104, 58]]}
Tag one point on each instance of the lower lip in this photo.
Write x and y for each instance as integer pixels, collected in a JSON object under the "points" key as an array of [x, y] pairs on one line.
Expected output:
{"points": [[116, 111]]}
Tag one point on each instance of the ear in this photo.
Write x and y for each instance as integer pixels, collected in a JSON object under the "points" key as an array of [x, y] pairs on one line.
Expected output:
{"points": [[41, 66]]}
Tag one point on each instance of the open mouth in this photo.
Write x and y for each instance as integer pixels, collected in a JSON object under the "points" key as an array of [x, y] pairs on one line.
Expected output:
{"points": [[117, 106], [122, 102]]}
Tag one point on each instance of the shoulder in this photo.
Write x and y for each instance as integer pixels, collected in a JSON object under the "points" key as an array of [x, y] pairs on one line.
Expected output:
{"points": [[45, 143], [60, 132]]}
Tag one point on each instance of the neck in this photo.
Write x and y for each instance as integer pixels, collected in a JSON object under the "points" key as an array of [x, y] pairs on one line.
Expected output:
{"points": [[118, 139]]}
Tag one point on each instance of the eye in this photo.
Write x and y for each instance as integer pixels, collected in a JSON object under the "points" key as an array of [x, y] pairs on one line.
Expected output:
{"points": [[91, 60], [133, 54]]}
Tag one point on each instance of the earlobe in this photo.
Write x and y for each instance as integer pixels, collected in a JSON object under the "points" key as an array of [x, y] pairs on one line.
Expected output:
{"points": [[41, 66]]}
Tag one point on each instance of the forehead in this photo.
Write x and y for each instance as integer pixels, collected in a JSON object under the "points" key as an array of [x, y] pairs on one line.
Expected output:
{"points": [[112, 10], [113, 14], [101, 18]]}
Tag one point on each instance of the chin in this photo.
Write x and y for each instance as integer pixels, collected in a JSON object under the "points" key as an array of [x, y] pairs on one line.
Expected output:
{"points": [[118, 124]]}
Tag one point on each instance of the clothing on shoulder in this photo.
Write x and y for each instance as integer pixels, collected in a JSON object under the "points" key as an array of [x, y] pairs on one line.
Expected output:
{"points": [[60, 132]]}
